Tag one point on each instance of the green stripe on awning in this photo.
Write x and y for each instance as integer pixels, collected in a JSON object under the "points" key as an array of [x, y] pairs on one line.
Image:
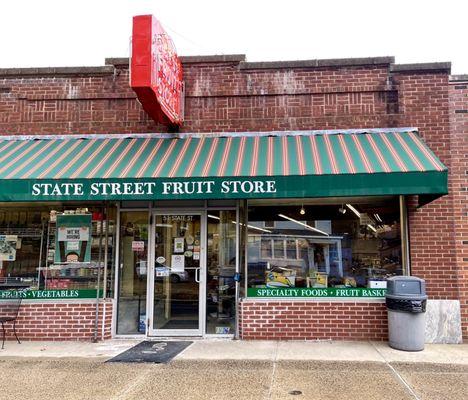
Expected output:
{"points": [[300, 165]]}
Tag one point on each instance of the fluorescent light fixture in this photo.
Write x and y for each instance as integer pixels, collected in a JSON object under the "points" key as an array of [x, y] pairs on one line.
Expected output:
{"points": [[259, 229], [377, 217], [164, 225], [213, 216], [358, 214], [372, 228], [252, 227], [302, 224]]}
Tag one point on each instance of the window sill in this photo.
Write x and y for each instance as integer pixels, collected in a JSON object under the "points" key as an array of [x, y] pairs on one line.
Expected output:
{"points": [[315, 299]]}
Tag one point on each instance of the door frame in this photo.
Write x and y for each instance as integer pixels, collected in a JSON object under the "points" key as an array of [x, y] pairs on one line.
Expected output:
{"points": [[202, 275]]}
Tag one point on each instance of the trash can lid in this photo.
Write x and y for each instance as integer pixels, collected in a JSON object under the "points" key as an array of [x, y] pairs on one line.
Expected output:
{"points": [[406, 286], [405, 278]]}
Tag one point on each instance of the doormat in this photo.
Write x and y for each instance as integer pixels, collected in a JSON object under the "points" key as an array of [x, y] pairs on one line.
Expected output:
{"points": [[151, 352]]}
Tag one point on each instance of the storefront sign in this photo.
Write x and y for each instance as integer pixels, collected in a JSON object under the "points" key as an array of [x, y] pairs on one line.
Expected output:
{"points": [[156, 71], [73, 239], [49, 294], [332, 185], [99, 189], [153, 189], [314, 292]]}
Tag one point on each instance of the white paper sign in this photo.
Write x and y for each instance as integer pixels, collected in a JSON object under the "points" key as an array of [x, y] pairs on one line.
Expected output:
{"points": [[73, 245], [177, 263], [79, 234], [179, 245], [196, 255]]}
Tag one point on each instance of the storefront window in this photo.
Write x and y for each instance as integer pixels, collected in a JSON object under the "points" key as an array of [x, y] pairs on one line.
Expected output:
{"points": [[133, 271], [55, 251], [339, 244], [221, 267]]}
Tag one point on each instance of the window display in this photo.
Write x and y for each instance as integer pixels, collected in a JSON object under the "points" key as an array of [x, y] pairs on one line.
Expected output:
{"points": [[339, 243], [55, 248]]}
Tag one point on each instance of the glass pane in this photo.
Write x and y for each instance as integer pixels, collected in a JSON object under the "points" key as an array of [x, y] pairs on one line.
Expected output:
{"points": [[266, 248], [177, 271], [221, 267], [29, 235], [278, 249], [291, 249], [132, 272], [242, 246], [335, 244]]}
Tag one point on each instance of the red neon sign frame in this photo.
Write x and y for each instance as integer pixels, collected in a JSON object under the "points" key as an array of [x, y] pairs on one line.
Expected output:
{"points": [[156, 71]]}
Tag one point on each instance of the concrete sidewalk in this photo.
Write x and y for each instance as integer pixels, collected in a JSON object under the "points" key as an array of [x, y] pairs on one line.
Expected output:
{"points": [[220, 350], [235, 370]]}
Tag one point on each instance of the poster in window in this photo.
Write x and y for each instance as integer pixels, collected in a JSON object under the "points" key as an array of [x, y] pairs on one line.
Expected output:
{"points": [[179, 245], [8, 247], [138, 245], [177, 263], [73, 239]]}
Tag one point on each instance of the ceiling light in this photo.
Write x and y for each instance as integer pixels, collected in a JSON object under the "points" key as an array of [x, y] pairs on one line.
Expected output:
{"points": [[213, 216], [372, 228], [252, 227], [377, 217], [302, 211], [302, 224], [358, 214]]}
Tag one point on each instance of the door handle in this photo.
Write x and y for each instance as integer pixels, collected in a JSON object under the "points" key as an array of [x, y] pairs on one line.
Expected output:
{"points": [[197, 275]]}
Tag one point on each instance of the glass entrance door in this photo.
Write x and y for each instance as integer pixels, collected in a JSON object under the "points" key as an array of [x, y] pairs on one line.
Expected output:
{"points": [[177, 276]]}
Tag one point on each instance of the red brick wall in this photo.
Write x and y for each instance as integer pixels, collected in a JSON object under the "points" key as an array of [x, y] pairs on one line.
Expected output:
{"points": [[424, 104], [61, 321], [459, 141], [219, 97], [70, 104], [313, 320]]}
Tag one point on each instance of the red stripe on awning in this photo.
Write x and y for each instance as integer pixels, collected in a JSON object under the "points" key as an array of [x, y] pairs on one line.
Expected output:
{"points": [[209, 161], [195, 157], [150, 159], [163, 161]]}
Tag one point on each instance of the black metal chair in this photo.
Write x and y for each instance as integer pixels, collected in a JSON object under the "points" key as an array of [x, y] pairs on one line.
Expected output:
{"points": [[9, 309]]}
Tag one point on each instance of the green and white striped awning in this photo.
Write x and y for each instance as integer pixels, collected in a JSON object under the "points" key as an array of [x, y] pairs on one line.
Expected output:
{"points": [[302, 164]]}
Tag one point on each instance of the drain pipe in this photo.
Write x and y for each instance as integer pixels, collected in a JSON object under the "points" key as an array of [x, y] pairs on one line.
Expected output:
{"points": [[96, 313]]}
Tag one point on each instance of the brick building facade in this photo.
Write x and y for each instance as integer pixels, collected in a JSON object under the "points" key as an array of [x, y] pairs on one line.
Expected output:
{"points": [[229, 94]]}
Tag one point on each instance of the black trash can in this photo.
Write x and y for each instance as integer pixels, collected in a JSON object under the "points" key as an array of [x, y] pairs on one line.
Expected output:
{"points": [[406, 306]]}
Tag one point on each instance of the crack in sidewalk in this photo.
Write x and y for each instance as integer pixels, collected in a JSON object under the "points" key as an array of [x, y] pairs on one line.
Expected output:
{"points": [[133, 385], [273, 373], [402, 380]]}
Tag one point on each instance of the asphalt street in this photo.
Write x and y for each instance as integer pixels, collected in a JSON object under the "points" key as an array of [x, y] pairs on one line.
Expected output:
{"points": [[81, 378]]}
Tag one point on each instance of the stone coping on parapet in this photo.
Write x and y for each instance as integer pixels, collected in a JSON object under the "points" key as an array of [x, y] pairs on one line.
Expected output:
{"points": [[123, 62]]}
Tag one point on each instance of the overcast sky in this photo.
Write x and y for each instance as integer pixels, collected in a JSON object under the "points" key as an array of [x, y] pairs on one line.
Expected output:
{"points": [[38, 33]]}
